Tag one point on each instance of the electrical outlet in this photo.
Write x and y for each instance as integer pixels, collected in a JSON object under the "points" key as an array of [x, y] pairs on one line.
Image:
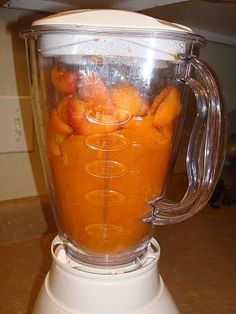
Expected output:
{"points": [[16, 124]]}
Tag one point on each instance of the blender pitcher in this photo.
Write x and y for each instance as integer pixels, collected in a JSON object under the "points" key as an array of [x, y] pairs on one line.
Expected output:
{"points": [[110, 91]]}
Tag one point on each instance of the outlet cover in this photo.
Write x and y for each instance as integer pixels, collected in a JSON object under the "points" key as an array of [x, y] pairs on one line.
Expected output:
{"points": [[16, 124]]}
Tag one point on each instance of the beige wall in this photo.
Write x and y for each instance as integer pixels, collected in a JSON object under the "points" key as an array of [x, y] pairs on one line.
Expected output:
{"points": [[20, 173]]}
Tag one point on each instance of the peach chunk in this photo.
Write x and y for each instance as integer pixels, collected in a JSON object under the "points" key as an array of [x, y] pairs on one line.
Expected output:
{"points": [[57, 132], [92, 87], [145, 106], [62, 108], [145, 122], [64, 81], [126, 97], [57, 125], [167, 107], [87, 117], [75, 113]]}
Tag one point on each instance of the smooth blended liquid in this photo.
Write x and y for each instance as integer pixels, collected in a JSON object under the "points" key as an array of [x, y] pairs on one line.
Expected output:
{"points": [[103, 183]]}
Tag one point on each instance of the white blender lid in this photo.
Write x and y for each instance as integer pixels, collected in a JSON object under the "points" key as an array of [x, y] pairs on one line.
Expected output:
{"points": [[110, 19], [71, 34]]}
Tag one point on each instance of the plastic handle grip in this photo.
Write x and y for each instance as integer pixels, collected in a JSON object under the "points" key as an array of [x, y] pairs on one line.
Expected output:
{"points": [[205, 154]]}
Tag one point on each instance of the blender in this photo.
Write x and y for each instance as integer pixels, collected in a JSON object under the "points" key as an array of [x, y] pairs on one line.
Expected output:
{"points": [[110, 91]]}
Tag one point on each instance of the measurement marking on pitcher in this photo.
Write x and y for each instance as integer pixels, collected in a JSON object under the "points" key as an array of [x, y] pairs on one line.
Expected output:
{"points": [[106, 189], [98, 168], [107, 231], [104, 197], [109, 116], [105, 169], [106, 141]]}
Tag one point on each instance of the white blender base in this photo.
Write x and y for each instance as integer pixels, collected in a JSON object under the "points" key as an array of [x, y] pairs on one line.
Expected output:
{"points": [[71, 288]]}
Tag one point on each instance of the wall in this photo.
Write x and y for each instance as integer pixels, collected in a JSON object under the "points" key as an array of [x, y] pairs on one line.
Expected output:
{"points": [[222, 58], [20, 173]]}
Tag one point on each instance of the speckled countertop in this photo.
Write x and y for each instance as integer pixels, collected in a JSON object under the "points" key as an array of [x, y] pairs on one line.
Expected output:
{"points": [[198, 264]]}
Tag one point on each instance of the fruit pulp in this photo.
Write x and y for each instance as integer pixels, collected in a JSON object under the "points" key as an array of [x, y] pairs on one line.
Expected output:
{"points": [[106, 169]]}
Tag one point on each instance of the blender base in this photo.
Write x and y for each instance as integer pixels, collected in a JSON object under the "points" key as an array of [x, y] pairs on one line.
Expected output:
{"points": [[71, 287]]}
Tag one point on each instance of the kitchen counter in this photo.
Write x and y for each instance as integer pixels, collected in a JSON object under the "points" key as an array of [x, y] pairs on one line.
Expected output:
{"points": [[198, 264]]}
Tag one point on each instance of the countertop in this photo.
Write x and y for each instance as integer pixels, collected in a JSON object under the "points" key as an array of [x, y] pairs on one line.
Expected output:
{"points": [[198, 264]]}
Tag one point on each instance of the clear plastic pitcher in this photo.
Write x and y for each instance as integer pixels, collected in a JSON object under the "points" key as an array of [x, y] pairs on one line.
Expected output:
{"points": [[110, 91]]}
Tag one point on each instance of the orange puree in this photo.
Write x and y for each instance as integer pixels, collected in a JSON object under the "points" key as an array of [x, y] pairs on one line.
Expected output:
{"points": [[103, 182]]}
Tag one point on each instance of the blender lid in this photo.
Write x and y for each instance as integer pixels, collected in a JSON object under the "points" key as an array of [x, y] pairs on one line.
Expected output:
{"points": [[71, 34], [109, 19]]}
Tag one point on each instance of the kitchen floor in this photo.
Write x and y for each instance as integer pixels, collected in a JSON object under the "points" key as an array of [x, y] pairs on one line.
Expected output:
{"points": [[198, 264]]}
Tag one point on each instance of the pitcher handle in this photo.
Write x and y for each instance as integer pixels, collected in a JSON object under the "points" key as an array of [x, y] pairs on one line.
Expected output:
{"points": [[205, 153]]}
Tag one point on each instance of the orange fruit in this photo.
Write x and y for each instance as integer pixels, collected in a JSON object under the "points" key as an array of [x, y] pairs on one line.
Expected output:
{"points": [[92, 87], [126, 97], [167, 107], [145, 106], [57, 125], [64, 81], [88, 118]]}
